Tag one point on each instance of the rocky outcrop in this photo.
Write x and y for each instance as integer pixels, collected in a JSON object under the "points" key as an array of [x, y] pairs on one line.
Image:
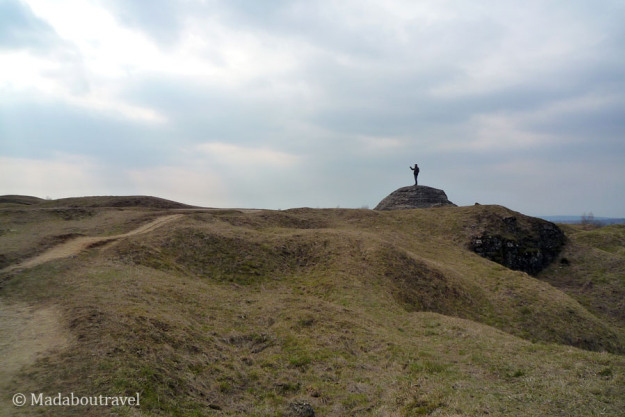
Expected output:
{"points": [[416, 196], [518, 242], [301, 409]]}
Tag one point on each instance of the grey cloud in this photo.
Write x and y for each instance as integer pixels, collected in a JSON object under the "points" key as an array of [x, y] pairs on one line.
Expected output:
{"points": [[209, 113], [358, 33], [20, 28], [371, 76], [385, 90], [29, 127], [600, 119], [161, 19]]}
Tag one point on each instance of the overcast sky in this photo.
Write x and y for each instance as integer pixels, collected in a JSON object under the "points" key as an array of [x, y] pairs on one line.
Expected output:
{"points": [[285, 103]]}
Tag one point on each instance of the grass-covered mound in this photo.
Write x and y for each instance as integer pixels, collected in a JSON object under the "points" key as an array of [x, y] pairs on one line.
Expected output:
{"points": [[353, 312], [591, 269]]}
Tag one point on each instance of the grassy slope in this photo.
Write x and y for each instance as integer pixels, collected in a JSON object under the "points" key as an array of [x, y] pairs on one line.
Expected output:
{"points": [[91, 202], [353, 311], [19, 200], [115, 201], [591, 269], [28, 232]]}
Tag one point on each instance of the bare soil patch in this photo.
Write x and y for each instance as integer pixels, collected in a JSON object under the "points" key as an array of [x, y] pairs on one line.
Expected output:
{"points": [[27, 334]]}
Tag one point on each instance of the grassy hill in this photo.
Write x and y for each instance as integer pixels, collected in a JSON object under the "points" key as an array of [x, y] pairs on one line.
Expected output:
{"points": [[591, 269], [23, 200], [91, 202], [350, 312]]}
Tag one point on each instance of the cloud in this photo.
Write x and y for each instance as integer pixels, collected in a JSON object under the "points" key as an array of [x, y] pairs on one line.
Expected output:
{"points": [[79, 61], [189, 184], [32, 126], [501, 132], [58, 177], [239, 156], [162, 20], [295, 102], [78, 175], [20, 28]]}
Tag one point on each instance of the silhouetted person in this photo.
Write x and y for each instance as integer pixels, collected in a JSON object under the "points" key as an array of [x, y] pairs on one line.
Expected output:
{"points": [[416, 173]]}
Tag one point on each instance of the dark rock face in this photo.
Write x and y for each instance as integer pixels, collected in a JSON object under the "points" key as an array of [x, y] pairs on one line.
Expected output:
{"points": [[301, 409], [519, 242], [416, 196]]}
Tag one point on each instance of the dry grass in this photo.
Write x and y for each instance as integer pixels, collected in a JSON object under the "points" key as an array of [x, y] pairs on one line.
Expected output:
{"points": [[592, 270], [352, 311], [27, 232]]}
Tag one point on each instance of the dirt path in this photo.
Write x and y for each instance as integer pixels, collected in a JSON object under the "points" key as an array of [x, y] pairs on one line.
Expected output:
{"points": [[26, 334], [75, 246]]}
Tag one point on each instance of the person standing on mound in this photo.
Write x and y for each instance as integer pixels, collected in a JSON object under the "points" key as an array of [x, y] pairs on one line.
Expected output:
{"points": [[416, 173]]}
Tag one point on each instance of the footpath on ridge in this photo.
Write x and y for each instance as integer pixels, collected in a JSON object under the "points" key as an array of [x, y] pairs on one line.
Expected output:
{"points": [[77, 245]]}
